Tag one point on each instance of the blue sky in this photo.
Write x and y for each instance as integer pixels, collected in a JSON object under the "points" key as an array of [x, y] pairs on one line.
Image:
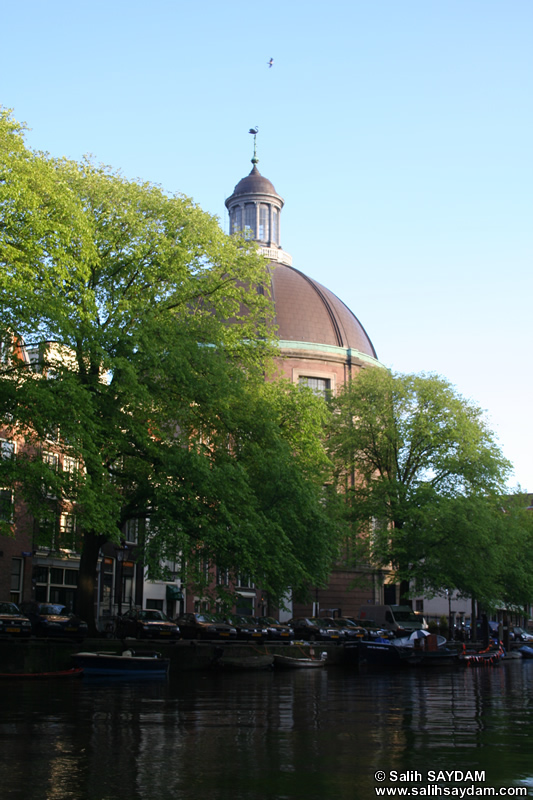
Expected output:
{"points": [[398, 132]]}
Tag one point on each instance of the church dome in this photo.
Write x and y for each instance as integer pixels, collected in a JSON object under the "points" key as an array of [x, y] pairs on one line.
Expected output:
{"points": [[308, 312], [309, 318], [254, 183]]}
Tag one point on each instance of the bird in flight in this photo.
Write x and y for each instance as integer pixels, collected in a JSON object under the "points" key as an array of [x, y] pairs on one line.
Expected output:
{"points": [[270, 62]]}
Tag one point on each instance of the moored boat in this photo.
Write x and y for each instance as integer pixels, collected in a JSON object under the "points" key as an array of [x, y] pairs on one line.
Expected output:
{"points": [[75, 672], [299, 662], [376, 653], [483, 658], [427, 650], [125, 664], [443, 657]]}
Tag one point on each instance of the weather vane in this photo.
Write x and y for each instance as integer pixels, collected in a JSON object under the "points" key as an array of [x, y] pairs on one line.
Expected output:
{"points": [[254, 132]]}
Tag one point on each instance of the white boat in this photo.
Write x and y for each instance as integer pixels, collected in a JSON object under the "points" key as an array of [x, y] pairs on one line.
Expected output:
{"points": [[421, 639]]}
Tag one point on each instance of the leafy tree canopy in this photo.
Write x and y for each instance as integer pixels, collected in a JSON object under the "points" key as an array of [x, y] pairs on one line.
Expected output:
{"points": [[123, 295], [423, 477]]}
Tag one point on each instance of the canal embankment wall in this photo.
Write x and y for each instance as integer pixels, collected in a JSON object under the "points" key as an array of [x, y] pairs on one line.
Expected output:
{"points": [[48, 655]]}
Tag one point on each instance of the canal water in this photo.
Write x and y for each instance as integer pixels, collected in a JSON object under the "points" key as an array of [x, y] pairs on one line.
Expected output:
{"points": [[318, 735]]}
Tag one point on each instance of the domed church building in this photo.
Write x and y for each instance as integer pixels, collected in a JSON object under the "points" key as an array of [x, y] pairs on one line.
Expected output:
{"points": [[322, 343]]}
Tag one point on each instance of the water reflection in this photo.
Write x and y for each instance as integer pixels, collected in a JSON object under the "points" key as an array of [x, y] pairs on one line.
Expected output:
{"points": [[313, 735]]}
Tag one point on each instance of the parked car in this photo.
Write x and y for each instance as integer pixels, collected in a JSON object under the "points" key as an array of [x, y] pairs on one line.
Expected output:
{"points": [[275, 629], [148, 623], [314, 629], [54, 619], [204, 626], [347, 626], [372, 630], [246, 627], [518, 634], [12, 621]]}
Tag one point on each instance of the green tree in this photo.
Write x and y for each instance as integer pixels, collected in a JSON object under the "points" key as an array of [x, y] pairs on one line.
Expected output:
{"points": [[150, 331], [422, 478], [266, 470]]}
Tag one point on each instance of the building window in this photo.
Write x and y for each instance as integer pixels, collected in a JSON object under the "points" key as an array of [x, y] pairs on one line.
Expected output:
{"points": [[51, 460], [320, 386], [6, 505], [236, 219], [128, 574], [52, 434], [249, 220], [70, 465], [131, 531], [222, 577], [16, 580], [275, 226], [245, 581], [263, 223], [55, 585], [155, 604], [67, 532], [7, 449]]}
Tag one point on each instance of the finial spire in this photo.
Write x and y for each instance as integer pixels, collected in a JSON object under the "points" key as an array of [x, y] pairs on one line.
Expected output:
{"points": [[254, 132]]}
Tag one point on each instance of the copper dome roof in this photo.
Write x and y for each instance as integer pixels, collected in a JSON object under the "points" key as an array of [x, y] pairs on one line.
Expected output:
{"points": [[308, 312], [254, 183]]}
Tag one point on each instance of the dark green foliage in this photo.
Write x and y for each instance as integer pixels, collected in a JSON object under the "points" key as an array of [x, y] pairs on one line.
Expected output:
{"points": [[423, 481]]}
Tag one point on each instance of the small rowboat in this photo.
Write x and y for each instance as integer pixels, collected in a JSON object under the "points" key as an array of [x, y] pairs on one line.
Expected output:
{"points": [[293, 662], [75, 672]]}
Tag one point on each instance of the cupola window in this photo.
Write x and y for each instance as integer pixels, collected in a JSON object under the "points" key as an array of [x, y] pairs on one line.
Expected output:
{"points": [[275, 226], [236, 219], [249, 220], [263, 223]]}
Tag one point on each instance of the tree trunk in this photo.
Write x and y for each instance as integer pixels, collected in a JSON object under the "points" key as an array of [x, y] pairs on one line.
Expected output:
{"points": [[86, 594]]}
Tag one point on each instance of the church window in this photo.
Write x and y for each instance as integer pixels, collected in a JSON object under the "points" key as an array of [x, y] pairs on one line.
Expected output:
{"points": [[263, 223], [275, 226], [320, 386], [249, 220], [236, 219]]}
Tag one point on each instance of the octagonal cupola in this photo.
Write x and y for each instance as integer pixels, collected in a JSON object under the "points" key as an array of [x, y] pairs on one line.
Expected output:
{"points": [[255, 208]]}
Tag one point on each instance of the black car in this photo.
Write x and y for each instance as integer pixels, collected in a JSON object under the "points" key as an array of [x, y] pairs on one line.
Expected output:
{"points": [[13, 622], [148, 623], [54, 619], [204, 626], [315, 629], [347, 627], [275, 629], [247, 628], [371, 629]]}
